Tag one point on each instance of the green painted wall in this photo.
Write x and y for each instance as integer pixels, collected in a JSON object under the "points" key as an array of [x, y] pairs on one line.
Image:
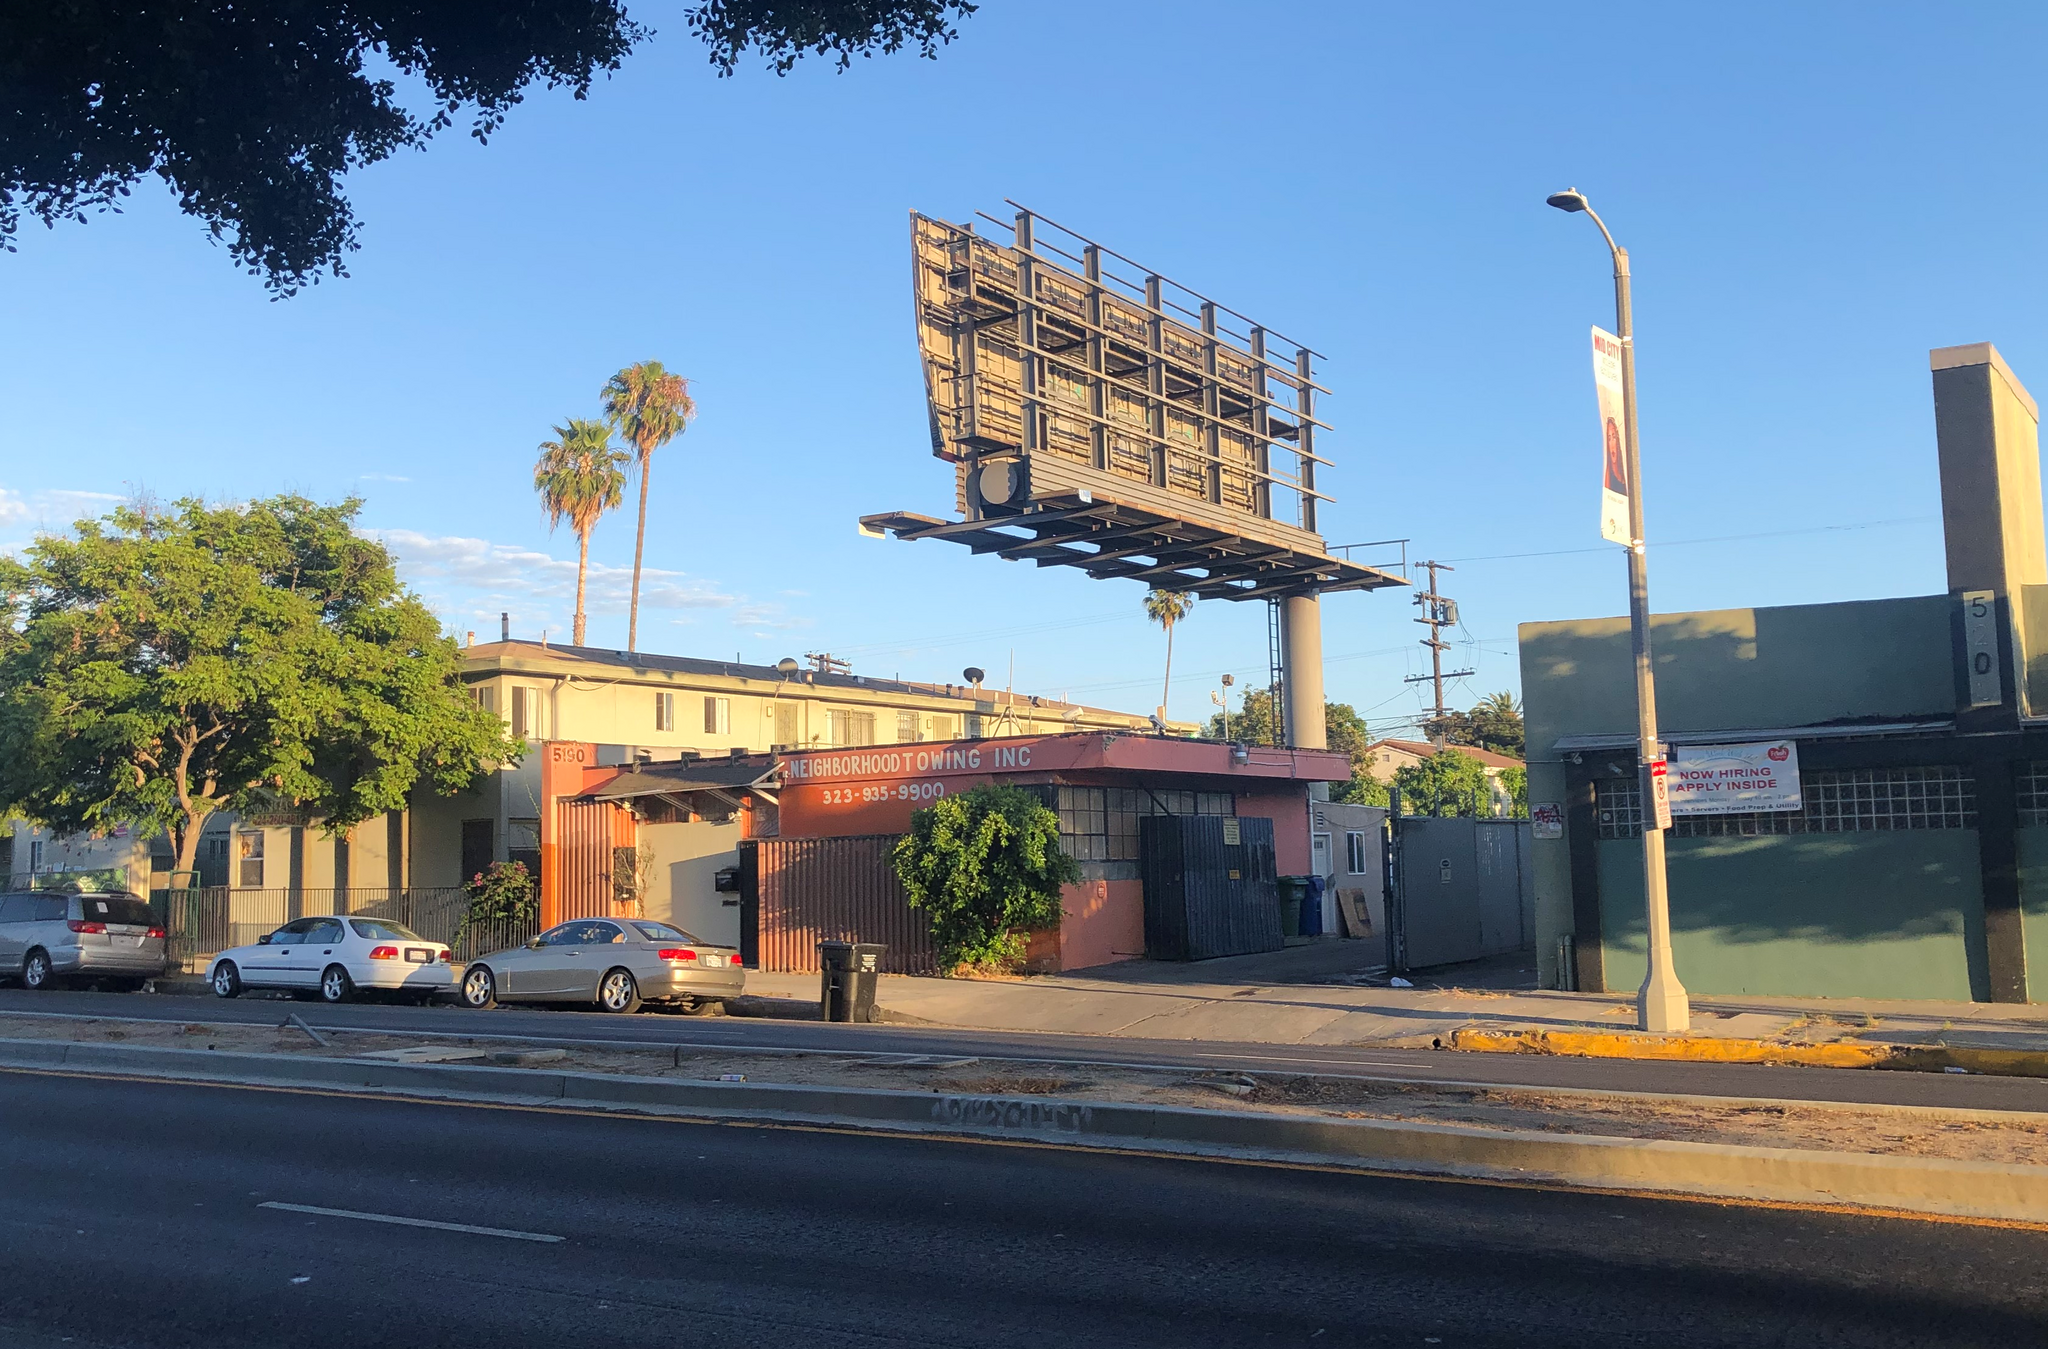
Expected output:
{"points": [[1723, 669], [1884, 914], [2033, 841]]}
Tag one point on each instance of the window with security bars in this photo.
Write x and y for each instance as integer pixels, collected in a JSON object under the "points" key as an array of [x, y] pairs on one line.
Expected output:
{"points": [[2032, 784], [1100, 824], [1842, 801]]}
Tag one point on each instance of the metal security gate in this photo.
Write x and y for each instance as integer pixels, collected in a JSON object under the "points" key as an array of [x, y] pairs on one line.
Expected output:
{"points": [[1209, 886], [797, 892], [1462, 890]]}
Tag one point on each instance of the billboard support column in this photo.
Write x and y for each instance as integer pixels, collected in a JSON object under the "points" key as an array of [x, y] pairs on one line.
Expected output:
{"points": [[1301, 671]]}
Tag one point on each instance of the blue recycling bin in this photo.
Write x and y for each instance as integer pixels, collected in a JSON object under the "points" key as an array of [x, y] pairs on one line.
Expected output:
{"points": [[1312, 907]]}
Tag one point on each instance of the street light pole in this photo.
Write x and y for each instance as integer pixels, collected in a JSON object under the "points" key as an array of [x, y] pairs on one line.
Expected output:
{"points": [[1661, 1003]]}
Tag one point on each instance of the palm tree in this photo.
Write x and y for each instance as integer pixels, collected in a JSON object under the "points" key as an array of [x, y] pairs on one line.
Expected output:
{"points": [[649, 407], [578, 476], [1166, 608]]}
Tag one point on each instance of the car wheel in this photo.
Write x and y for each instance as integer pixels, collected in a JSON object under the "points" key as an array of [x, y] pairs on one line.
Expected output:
{"points": [[335, 985], [36, 972], [479, 988], [617, 992], [227, 980], [706, 1007]]}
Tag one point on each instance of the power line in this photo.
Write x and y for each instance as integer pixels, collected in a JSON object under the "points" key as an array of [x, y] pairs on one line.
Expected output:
{"points": [[1719, 538]]}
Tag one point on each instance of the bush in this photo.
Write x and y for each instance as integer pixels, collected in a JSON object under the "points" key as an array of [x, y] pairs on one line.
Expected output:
{"points": [[501, 895], [987, 867]]}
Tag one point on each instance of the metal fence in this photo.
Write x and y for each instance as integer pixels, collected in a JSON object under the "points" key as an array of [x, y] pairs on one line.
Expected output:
{"points": [[202, 921], [808, 890]]}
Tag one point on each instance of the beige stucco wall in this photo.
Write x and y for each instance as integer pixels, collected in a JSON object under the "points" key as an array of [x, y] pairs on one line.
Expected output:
{"points": [[686, 858]]}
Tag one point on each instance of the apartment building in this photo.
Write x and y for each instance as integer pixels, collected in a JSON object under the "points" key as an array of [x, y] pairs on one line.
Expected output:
{"points": [[637, 705]]}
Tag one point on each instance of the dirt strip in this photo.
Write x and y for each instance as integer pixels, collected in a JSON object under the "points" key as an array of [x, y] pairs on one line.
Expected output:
{"points": [[2022, 1139]]}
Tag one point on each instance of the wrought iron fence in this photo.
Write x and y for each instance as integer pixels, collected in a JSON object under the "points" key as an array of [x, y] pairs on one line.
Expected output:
{"points": [[201, 921]]}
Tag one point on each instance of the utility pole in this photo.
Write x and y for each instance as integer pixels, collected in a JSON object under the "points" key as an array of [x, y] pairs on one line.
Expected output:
{"points": [[1662, 1003], [1439, 613]]}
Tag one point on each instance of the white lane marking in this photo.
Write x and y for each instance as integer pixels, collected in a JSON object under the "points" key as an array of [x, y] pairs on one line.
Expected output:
{"points": [[409, 1222], [1350, 1063]]}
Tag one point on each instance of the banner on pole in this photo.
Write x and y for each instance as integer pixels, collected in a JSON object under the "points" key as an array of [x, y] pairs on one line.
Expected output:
{"points": [[1735, 779], [1614, 483]]}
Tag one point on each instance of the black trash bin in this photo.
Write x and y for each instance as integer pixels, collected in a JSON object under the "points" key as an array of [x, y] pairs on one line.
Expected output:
{"points": [[847, 979]]}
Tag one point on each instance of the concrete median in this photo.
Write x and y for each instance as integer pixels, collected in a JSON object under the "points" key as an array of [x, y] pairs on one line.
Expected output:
{"points": [[1978, 1190]]}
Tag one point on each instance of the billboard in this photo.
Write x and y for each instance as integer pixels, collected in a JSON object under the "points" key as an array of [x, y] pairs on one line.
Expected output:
{"points": [[1131, 426]]}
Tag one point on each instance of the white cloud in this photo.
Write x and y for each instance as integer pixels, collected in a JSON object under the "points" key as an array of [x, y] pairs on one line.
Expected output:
{"points": [[53, 508], [382, 477], [474, 580]]}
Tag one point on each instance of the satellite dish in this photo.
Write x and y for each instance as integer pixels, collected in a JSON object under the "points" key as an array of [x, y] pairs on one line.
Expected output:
{"points": [[974, 674], [786, 667]]}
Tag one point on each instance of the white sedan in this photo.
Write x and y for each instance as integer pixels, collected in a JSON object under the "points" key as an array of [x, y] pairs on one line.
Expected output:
{"points": [[335, 956]]}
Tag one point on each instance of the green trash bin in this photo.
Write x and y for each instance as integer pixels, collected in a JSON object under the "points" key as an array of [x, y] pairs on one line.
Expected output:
{"points": [[1291, 889]]}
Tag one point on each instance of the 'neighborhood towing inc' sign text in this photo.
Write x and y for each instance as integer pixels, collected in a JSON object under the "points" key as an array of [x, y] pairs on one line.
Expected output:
{"points": [[1731, 779]]}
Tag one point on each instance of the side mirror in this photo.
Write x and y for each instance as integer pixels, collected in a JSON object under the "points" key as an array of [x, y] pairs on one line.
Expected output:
{"points": [[535, 944], [263, 940]]}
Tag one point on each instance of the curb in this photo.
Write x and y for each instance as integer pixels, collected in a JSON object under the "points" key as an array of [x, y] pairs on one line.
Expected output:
{"points": [[1712, 1049], [1979, 1190]]}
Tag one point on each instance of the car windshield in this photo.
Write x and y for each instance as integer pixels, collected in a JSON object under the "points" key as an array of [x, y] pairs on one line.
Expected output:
{"points": [[663, 932], [115, 909], [375, 928]]}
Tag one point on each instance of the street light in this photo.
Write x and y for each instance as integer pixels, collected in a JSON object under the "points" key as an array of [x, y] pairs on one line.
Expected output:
{"points": [[1661, 1003]]}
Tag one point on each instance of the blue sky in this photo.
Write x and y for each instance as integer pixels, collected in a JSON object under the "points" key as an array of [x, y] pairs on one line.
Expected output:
{"points": [[1814, 195]]}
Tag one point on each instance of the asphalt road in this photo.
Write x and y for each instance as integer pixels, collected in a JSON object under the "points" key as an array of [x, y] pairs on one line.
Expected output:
{"points": [[144, 1215], [755, 1034]]}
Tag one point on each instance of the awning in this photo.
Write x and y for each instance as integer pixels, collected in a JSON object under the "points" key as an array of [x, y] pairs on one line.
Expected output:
{"points": [[681, 778], [1744, 735]]}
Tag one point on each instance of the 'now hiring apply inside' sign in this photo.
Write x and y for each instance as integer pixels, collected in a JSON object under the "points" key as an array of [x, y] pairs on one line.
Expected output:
{"points": [[1725, 779]]}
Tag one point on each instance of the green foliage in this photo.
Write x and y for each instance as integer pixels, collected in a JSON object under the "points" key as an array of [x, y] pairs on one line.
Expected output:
{"points": [[579, 478], [253, 113], [987, 866], [1445, 783], [784, 30], [1166, 608], [1345, 731], [502, 893], [161, 665], [1516, 781], [1495, 723]]}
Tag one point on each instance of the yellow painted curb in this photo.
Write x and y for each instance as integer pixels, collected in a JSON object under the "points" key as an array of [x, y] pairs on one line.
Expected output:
{"points": [[1686, 1048]]}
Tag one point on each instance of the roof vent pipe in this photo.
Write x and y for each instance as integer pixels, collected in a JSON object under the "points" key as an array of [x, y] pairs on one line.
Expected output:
{"points": [[504, 625]]}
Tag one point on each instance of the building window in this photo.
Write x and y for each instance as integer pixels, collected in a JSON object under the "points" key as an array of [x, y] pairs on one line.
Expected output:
{"points": [[1354, 852], [1100, 824], [249, 859], [486, 697], [1854, 800], [664, 711], [718, 716], [2033, 793], [522, 844], [846, 729], [522, 712], [786, 732], [906, 728], [945, 728]]}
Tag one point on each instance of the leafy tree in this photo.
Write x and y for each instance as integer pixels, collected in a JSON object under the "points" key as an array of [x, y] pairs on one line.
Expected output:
{"points": [[1445, 783], [1344, 729], [649, 407], [578, 476], [987, 866], [1166, 608], [253, 113], [1516, 781], [1494, 723], [161, 665], [784, 30]]}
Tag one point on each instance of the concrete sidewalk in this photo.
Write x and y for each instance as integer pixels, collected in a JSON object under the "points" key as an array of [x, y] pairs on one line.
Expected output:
{"points": [[1317, 994]]}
